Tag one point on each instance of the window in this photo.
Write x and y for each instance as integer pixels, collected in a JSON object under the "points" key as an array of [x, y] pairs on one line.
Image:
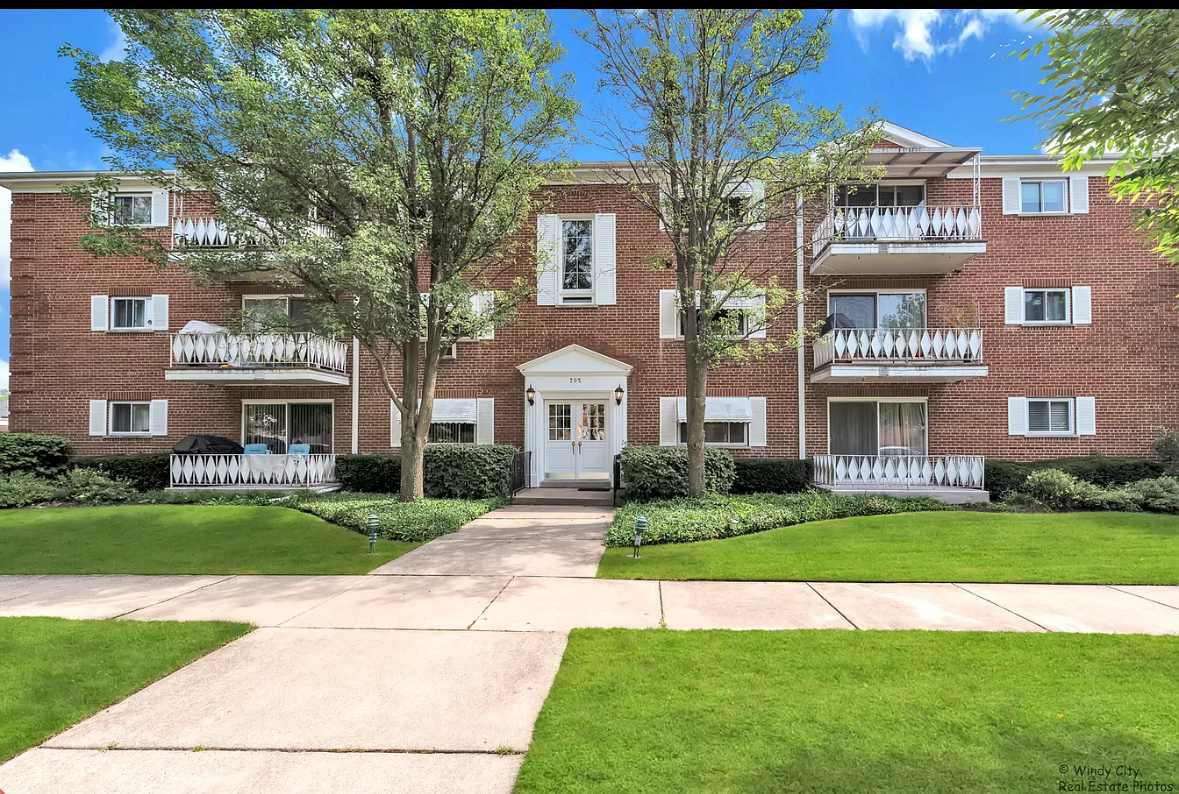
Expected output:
{"points": [[724, 318], [452, 433], [877, 309], [1050, 416], [280, 424], [276, 312], [130, 314], [1045, 305], [132, 209], [1041, 196], [130, 419], [733, 209], [879, 195], [868, 427], [577, 261], [730, 434], [560, 422]]}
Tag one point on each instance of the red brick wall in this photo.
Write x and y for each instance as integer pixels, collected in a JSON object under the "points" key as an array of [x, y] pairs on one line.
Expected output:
{"points": [[1126, 359]]}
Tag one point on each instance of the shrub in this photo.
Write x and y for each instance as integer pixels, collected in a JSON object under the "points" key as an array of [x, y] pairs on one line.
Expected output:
{"points": [[422, 520], [467, 471], [755, 475], [369, 473], [1059, 490], [1160, 495], [90, 486], [715, 516], [662, 472], [1166, 444], [145, 472], [22, 489], [33, 454], [1003, 477]]}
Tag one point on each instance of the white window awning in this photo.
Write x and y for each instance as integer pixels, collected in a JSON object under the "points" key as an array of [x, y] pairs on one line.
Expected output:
{"points": [[719, 409], [455, 411]]}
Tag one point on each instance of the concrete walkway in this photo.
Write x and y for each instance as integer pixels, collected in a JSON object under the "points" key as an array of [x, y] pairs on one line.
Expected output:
{"points": [[411, 679]]}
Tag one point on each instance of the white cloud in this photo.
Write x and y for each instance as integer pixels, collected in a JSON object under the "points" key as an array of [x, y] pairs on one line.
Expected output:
{"points": [[924, 33], [117, 49], [13, 161]]}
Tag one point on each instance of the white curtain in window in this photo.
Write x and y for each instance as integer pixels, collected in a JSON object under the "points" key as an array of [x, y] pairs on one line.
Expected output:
{"points": [[902, 429]]}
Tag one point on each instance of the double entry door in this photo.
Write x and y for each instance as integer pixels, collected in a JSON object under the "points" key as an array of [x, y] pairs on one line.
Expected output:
{"points": [[577, 445]]}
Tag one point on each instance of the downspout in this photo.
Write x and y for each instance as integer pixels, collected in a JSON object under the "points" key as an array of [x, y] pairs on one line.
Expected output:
{"points": [[799, 286], [355, 396]]}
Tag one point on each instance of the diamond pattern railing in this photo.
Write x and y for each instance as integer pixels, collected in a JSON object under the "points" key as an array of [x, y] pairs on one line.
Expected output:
{"points": [[213, 233], [256, 350], [899, 471], [851, 345], [211, 471], [898, 224]]}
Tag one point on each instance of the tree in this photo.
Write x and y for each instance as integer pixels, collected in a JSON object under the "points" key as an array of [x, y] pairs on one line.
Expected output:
{"points": [[1112, 74], [720, 142], [377, 160]]}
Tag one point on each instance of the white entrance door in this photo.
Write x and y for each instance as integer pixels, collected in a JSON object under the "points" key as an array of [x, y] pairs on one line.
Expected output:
{"points": [[577, 446]]}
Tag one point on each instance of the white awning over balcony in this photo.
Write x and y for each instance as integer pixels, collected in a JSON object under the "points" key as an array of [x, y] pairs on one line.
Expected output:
{"points": [[465, 411], [719, 409]]}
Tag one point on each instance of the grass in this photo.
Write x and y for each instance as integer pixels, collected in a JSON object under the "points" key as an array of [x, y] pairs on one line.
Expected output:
{"points": [[1113, 548], [831, 711], [191, 539], [55, 672]]}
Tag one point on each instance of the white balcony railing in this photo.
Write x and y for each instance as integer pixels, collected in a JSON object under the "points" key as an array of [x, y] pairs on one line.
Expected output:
{"points": [[911, 345], [898, 224], [899, 471], [245, 471], [213, 233], [259, 350]]}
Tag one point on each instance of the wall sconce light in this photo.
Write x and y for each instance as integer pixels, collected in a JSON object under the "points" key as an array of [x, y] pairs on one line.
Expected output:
{"points": [[618, 394], [530, 393]]}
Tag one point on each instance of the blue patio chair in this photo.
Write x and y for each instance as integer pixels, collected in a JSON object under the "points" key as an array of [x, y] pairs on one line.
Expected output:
{"points": [[301, 450], [256, 449]]}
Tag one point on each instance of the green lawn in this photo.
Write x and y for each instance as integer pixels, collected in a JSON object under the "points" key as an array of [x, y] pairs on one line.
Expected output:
{"points": [[55, 672], [183, 539], [832, 711], [1115, 548]]}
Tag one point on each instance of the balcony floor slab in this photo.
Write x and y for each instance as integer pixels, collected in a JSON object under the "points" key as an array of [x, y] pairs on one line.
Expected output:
{"points": [[259, 376]]}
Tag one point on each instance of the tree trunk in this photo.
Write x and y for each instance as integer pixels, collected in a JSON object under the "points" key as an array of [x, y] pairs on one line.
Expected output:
{"points": [[412, 465], [697, 388], [413, 445]]}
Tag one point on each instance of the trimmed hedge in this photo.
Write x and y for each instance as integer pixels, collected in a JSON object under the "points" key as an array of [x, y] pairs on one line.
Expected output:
{"points": [[21, 489], [30, 453], [422, 520], [711, 517], [451, 471], [145, 472], [1005, 476], [662, 472], [758, 475]]}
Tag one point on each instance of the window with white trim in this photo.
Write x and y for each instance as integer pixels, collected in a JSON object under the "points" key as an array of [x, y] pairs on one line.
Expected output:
{"points": [[131, 209], [1046, 305], [451, 433], [280, 424], [724, 317], [1042, 195], [720, 434], [130, 314], [130, 418], [576, 256], [275, 312], [1050, 417], [880, 195]]}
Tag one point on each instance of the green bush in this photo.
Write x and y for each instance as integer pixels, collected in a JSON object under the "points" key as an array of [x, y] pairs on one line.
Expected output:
{"points": [[369, 473], [33, 454], [422, 520], [1160, 495], [90, 486], [467, 471], [21, 490], [714, 516], [145, 472], [1166, 444], [1004, 476], [1058, 490], [757, 475], [662, 472]]}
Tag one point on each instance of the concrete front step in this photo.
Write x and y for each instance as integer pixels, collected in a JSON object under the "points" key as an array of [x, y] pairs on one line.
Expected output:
{"points": [[563, 496]]}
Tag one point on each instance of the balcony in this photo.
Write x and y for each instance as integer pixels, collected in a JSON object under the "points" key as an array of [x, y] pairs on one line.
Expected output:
{"points": [[213, 233], [254, 359], [253, 472], [898, 355], [957, 479], [877, 241]]}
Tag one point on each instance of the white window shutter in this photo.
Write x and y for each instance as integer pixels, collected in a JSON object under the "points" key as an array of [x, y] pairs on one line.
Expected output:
{"points": [[485, 420], [669, 430], [757, 200], [159, 312], [757, 428], [99, 309], [758, 318], [548, 230], [1017, 416], [482, 302], [669, 315], [98, 417], [394, 425], [99, 209], [1078, 188], [159, 208], [1086, 416], [1013, 305], [159, 418], [605, 259], [1011, 197], [1082, 305]]}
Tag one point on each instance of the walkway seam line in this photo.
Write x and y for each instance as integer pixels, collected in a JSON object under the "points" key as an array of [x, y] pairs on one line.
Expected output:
{"points": [[363, 578], [1138, 595], [492, 601], [1005, 609], [837, 609], [171, 598], [662, 614]]}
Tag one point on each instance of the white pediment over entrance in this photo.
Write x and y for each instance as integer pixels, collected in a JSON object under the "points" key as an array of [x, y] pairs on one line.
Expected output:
{"points": [[575, 359]]}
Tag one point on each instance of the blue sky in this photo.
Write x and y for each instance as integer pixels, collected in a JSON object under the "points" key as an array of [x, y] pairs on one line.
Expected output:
{"points": [[941, 72]]}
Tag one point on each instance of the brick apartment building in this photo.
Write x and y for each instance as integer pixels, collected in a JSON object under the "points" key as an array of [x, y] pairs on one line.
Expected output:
{"points": [[985, 306]]}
